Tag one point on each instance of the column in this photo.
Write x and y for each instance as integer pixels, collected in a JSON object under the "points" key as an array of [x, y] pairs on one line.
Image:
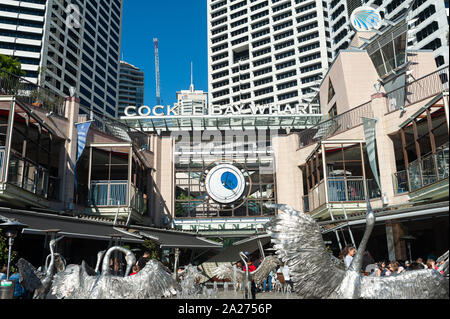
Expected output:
{"points": [[385, 147], [289, 179], [71, 110]]}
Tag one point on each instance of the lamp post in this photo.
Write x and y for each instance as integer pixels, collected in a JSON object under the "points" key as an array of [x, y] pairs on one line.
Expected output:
{"points": [[10, 229]]}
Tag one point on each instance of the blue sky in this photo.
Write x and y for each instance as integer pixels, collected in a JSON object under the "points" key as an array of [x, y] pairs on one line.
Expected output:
{"points": [[180, 27]]}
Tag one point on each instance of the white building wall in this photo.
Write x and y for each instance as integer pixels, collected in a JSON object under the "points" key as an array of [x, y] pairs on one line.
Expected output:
{"points": [[302, 54]]}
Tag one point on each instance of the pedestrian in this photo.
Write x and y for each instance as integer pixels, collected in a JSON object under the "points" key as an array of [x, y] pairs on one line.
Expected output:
{"points": [[267, 285], [395, 268], [349, 258], [343, 253], [407, 264], [287, 275], [431, 264], [420, 262], [251, 268], [135, 270], [383, 271], [3, 273], [142, 262]]}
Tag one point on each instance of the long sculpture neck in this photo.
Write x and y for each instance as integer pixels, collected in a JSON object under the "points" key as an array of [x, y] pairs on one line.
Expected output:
{"points": [[370, 224], [129, 257]]}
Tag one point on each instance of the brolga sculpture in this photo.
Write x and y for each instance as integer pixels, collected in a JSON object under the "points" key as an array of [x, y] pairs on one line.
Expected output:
{"points": [[151, 282], [259, 275], [299, 243], [37, 281]]}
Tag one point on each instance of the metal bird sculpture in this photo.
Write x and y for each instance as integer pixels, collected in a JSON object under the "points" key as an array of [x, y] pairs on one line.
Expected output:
{"points": [[36, 281], [152, 282], [259, 275], [299, 243]]}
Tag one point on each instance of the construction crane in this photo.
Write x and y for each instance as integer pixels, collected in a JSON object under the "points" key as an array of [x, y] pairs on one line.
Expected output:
{"points": [[158, 83]]}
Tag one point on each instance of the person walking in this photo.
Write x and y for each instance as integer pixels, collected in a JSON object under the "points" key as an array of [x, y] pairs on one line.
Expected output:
{"points": [[349, 258], [267, 285], [142, 262], [287, 275]]}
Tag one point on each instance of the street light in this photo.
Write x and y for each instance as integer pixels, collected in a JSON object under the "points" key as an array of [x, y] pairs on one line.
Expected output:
{"points": [[10, 229]]}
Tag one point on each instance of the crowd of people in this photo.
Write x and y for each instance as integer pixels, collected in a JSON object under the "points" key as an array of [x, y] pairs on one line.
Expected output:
{"points": [[391, 268]]}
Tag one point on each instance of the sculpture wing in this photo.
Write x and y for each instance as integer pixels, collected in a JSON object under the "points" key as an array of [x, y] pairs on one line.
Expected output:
{"points": [[30, 278], [444, 266], [73, 283], [419, 284], [154, 282], [269, 263], [226, 272], [299, 243]]}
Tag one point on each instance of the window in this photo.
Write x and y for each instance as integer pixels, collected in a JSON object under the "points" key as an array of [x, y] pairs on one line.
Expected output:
{"points": [[331, 92], [333, 111]]}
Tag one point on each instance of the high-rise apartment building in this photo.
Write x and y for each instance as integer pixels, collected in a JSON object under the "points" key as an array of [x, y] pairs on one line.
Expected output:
{"points": [[430, 29], [131, 87], [266, 51], [59, 49]]}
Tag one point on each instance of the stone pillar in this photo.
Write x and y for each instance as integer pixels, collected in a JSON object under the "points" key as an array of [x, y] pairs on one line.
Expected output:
{"points": [[289, 179], [385, 146], [396, 245], [71, 111]]}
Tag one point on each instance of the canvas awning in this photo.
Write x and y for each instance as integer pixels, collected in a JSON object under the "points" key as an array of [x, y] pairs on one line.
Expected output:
{"points": [[84, 228], [71, 227]]}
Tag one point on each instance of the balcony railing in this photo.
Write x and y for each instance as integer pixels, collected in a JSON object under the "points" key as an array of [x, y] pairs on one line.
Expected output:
{"points": [[115, 194], [419, 90], [31, 93], [429, 169], [339, 124], [400, 180], [28, 176], [109, 193], [341, 190]]}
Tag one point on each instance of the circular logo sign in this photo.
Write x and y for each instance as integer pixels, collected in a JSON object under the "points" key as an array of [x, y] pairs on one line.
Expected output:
{"points": [[225, 184], [365, 19]]}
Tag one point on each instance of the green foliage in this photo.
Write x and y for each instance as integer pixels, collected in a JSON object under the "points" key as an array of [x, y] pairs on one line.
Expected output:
{"points": [[153, 248], [4, 255], [10, 65]]}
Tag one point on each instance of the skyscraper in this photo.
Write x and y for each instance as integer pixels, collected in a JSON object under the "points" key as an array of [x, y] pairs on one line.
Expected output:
{"points": [[431, 23], [131, 87], [266, 51], [63, 45]]}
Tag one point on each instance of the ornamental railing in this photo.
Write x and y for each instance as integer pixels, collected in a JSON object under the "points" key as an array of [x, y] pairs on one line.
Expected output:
{"points": [[31, 93], [339, 124], [418, 90]]}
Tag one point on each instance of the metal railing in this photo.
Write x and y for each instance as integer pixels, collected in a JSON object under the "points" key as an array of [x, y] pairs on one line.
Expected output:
{"points": [[138, 202], [341, 190], [28, 176], [418, 90], [109, 193], [339, 124], [400, 181], [2, 159], [31, 93], [115, 194], [429, 169]]}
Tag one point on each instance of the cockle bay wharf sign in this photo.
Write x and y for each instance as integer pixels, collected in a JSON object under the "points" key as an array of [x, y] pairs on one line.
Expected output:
{"points": [[249, 116]]}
